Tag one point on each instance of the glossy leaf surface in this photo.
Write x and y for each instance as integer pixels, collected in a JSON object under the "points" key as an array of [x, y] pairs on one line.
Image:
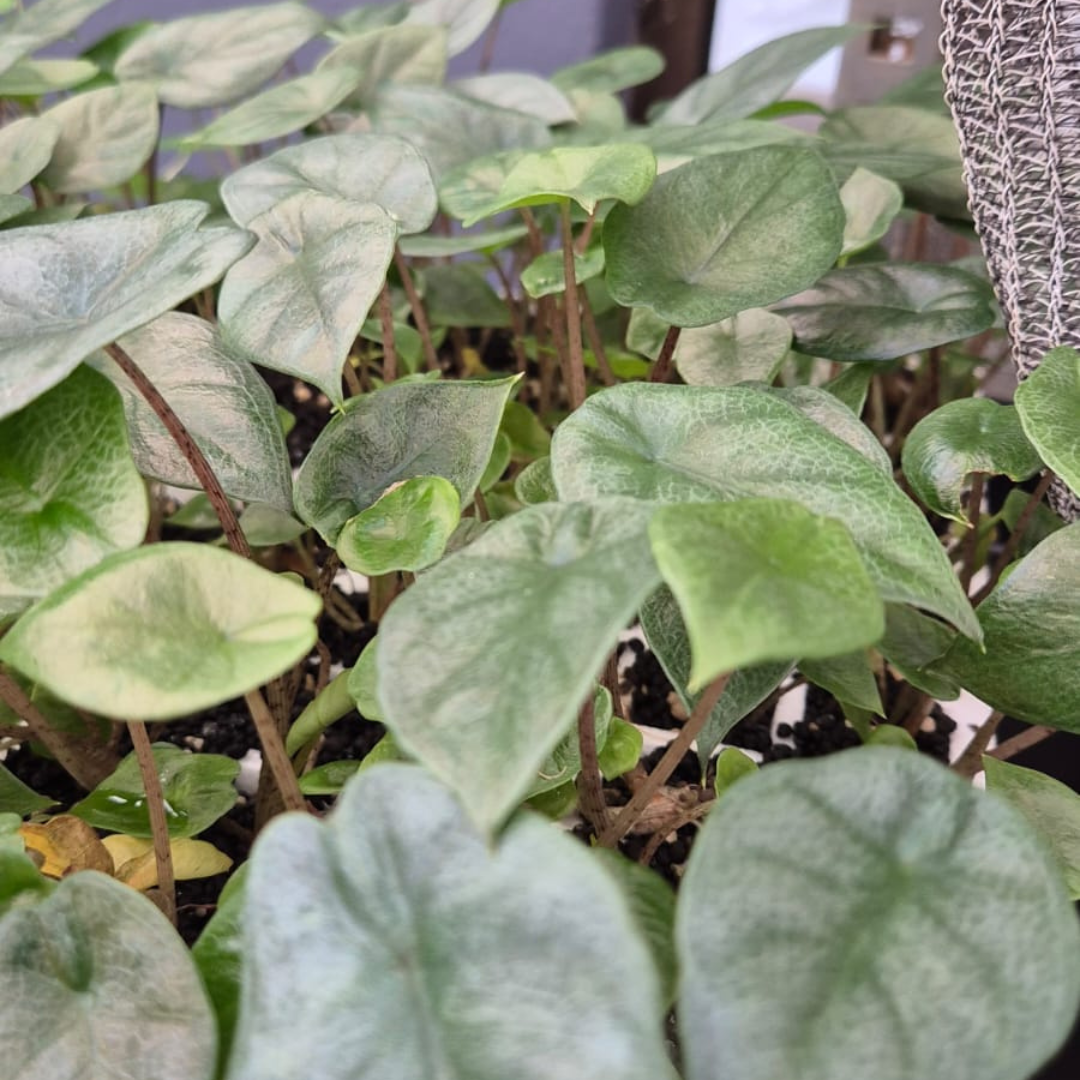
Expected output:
{"points": [[921, 919], [163, 631], [760, 580], [69, 492], [689, 444], [554, 583], [222, 401], [70, 288], [725, 233], [443, 429], [298, 300], [551, 921]]}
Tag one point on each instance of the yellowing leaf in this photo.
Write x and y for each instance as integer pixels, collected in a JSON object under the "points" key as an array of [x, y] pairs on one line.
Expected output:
{"points": [[67, 845], [136, 866]]}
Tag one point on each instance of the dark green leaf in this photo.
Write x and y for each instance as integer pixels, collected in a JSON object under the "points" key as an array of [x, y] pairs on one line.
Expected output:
{"points": [[17, 798], [912, 643], [1048, 402], [848, 678], [459, 295]]}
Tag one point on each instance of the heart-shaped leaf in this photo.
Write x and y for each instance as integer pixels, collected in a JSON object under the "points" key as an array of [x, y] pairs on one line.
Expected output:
{"points": [[106, 136], [450, 129], [688, 444], [223, 402], [406, 528], [880, 312], [611, 71], [84, 968], [725, 233], [34, 78], [464, 20], [1031, 665], [197, 790], [553, 920], [1048, 402], [279, 111], [521, 91], [406, 55], [1049, 805], [25, 148], [888, 854], [666, 633], [756, 79], [208, 60], [68, 289], [443, 429], [377, 169], [972, 435], [554, 583], [67, 502], [472, 186], [583, 174], [871, 204], [763, 579], [298, 300], [17, 798], [41, 24], [163, 631]]}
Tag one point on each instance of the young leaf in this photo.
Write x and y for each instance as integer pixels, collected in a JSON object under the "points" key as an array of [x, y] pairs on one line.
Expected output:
{"points": [[406, 528], [881, 312], [763, 579], [680, 444], [464, 20], [211, 59], [963, 437], [1048, 402], [451, 130], [17, 798], [68, 501], [163, 631], [551, 921], [106, 136], [545, 275], [332, 703], [377, 169], [621, 750], [584, 174], [666, 633], [362, 687], [725, 233], [732, 765], [534, 484], [886, 855], [278, 111], [443, 429], [529, 439], [297, 301], [118, 272], [611, 71], [554, 583], [756, 79], [404, 54], [751, 345], [197, 790], [521, 91], [94, 962], [25, 148], [564, 761], [1031, 624], [871, 204], [1050, 806], [223, 402]]}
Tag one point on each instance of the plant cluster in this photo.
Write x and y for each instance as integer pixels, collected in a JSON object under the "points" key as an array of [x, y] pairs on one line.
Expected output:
{"points": [[577, 373]]}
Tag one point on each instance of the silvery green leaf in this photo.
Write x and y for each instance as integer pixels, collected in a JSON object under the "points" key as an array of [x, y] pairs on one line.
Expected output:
{"points": [[25, 148]]}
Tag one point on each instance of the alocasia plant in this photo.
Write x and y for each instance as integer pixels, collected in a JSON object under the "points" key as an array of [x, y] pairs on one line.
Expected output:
{"points": [[487, 288]]}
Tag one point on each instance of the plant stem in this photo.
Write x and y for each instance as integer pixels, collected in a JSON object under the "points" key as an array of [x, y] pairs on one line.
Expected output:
{"points": [[661, 370], [575, 367], [423, 327], [586, 234], [674, 825], [971, 545], [1018, 743], [1016, 535], [970, 761], [488, 52], [590, 785], [159, 826], [87, 764], [517, 326], [386, 323], [667, 764], [188, 447], [382, 588], [274, 755], [607, 376]]}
